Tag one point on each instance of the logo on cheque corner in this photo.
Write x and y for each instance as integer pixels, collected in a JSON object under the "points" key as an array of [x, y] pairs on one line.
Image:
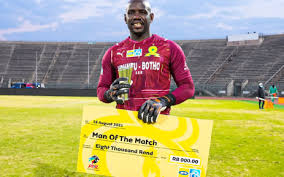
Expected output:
{"points": [[194, 173], [186, 172], [152, 51], [92, 162], [183, 172]]}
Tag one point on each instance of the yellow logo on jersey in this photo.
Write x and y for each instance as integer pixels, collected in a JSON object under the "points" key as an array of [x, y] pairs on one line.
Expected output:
{"points": [[153, 51]]}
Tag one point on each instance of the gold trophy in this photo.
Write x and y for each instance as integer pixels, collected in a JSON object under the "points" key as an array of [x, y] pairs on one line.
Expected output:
{"points": [[125, 71]]}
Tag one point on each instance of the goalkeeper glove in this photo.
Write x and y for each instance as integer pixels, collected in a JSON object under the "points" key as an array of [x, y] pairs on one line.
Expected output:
{"points": [[150, 110], [118, 87]]}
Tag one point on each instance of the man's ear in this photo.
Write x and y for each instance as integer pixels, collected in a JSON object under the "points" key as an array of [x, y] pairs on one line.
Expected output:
{"points": [[125, 18], [152, 17]]}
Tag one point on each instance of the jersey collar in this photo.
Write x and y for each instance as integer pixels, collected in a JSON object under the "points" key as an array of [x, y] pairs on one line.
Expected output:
{"points": [[143, 41]]}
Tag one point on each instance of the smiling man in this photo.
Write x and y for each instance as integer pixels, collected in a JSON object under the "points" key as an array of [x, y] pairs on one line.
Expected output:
{"points": [[153, 60]]}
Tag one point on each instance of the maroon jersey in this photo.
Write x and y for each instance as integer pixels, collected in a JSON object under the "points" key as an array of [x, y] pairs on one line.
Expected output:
{"points": [[154, 60]]}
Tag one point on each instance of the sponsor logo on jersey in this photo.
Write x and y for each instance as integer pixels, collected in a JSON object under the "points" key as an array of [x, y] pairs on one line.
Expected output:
{"points": [[141, 67], [149, 65], [152, 52], [134, 53]]}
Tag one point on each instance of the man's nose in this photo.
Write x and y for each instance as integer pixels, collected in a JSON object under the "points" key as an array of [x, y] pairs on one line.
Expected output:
{"points": [[136, 17]]}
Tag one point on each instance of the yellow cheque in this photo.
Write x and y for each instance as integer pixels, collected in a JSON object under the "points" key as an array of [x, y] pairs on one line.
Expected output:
{"points": [[116, 143]]}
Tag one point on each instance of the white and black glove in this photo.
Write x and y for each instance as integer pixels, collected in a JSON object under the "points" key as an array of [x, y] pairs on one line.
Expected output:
{"points": [[151, 109], [118, 87]]}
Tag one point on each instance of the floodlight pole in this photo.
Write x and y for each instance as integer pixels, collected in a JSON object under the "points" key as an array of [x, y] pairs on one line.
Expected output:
{"points": [[36, 68], [88, 67]]}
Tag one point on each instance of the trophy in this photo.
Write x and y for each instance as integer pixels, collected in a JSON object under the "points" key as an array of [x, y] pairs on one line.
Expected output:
{"points": [[125, 71]]}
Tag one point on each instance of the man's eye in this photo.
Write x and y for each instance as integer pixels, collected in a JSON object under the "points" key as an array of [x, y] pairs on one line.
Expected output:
{"points": [[130, 12], [143, 12]]}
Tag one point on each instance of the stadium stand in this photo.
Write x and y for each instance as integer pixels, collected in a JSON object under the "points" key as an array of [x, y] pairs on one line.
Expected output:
{"points": [[217, 66], [6, 51]]}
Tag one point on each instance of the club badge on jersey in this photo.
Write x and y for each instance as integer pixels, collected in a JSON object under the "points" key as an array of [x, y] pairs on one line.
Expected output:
{"points": [[152, 52]]}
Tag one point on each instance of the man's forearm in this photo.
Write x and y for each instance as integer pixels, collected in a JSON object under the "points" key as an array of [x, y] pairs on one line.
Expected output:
{"points": [[100, 93], [184, 91]]}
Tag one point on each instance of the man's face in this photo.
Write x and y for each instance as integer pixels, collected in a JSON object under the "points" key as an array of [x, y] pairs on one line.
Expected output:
{"points": [[138, 18]]}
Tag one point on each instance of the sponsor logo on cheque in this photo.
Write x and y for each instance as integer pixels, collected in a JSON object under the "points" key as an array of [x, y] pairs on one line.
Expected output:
{"points": [[183, 172], [194, 173], [92, 162]]}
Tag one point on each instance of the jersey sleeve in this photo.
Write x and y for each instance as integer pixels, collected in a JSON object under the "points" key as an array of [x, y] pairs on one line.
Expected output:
{"points": [[181, 74], [107, 76]]}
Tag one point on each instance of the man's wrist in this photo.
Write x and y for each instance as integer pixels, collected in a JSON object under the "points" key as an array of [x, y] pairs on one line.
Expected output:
{"points": [[107, 96], [169, 99]]}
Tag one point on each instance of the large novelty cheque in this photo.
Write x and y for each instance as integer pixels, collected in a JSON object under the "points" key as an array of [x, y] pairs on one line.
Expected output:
{"points": [[116, 143]]}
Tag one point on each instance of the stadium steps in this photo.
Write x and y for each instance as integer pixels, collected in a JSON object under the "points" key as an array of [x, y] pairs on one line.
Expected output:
{"points": [[59, 60], [45, 61], [6, 52], [77, 70], [96, 69], [202, 56], [22, 63], [218, 65], [65, 64]]}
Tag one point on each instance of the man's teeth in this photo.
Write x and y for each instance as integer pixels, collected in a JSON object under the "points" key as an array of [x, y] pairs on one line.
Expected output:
{"points": [[137, 24]]}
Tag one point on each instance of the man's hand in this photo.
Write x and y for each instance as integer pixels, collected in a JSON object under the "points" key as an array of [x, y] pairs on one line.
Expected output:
{"points": [[118, 87], [150, 110]]}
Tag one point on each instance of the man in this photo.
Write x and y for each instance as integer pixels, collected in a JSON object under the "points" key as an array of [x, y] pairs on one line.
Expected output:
{"points": [[153, 59], [273, 92], [261, 96]]}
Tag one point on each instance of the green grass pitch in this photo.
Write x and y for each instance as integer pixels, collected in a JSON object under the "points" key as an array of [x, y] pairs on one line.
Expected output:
{"points": [[39, 136]]}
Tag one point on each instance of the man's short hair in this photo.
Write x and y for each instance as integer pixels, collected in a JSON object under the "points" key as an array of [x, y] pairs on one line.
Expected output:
{"points": [[146, 2]]}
